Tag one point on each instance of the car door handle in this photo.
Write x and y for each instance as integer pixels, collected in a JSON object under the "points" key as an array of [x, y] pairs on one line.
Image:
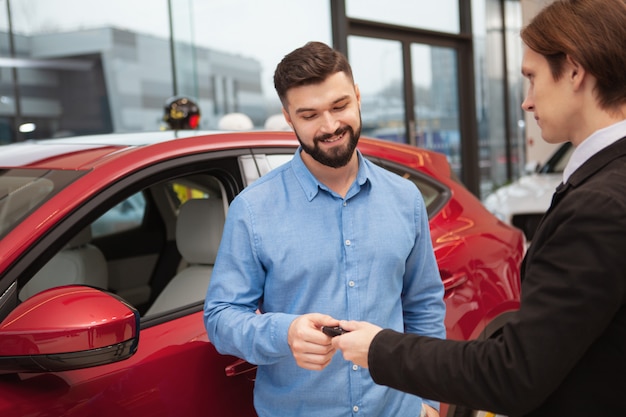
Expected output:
{"points": [[239, 367], [454, 281]]}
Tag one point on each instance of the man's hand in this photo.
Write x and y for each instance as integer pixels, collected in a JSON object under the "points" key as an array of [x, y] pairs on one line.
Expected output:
{"points": [[429, 411], [310, 347], [355, 345]]}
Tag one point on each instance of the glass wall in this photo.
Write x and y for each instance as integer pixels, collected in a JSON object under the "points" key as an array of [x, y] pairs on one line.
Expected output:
{"points": [[436, 101], [407, 61], [377, 69], [7, 90], [499, 91], [92, 66], [442, 15], [516, 134], [75, 67]]}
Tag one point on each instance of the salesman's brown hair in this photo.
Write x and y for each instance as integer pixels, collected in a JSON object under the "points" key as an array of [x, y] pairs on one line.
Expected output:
{"points": [[591, 32]]}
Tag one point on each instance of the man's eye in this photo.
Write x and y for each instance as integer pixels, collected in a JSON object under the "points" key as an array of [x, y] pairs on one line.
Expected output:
{"points": [[308, 116], [340, 108]]}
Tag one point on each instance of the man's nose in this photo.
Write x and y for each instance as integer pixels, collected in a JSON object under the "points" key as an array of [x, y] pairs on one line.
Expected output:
{"points": [[329, 123], [527, 105]]}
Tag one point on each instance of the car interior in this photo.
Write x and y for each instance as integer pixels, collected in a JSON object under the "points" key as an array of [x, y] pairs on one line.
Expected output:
{"points": [[199, 229], [155, 249], [79, 262]]}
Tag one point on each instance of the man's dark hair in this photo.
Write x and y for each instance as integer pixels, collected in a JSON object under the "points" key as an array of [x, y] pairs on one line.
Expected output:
{"points": [[309, 64]]}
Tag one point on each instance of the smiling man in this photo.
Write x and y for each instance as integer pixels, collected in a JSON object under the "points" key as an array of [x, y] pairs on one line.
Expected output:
{"points": [[328, 235]]}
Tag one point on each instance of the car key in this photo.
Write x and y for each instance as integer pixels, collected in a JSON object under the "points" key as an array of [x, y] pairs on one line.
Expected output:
{"points": [[333, 331]]}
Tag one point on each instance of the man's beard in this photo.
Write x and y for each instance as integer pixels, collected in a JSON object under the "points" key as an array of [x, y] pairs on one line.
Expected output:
{"points": [[337, 157]]}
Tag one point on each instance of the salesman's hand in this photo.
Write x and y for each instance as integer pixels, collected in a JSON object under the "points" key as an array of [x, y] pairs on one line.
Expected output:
{"points": [[310, 347], [355, 345]]}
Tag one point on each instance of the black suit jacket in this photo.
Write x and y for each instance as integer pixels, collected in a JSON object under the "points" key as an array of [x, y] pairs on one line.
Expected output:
{"points": [[564, 353]]}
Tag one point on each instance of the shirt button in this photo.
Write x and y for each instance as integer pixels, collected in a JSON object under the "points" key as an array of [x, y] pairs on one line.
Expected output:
{"points": [[355, 367], [355, 408], [348, 242], [345, 203], [351, 284]]}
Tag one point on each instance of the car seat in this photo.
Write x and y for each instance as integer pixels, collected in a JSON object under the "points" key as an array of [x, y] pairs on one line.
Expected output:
{"points": [[199, 230], [79, 262]]}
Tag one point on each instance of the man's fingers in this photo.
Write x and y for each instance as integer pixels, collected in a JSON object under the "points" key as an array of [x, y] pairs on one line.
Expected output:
{"points": [[315, 358], [350, 325]]}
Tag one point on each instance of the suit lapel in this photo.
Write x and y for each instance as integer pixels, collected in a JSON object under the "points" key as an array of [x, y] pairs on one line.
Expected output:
{"points": [[589, 168]]}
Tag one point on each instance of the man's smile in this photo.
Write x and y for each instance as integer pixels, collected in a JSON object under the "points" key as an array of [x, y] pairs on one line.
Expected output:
{"points": [[337, 136]]}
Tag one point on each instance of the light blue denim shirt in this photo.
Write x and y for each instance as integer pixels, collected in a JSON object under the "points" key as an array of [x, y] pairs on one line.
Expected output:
{"points": [[292, 246]]}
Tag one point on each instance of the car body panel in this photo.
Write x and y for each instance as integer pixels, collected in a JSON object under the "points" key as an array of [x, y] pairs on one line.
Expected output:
{"points": [[57, 328], [529, 194], [175, 370]]}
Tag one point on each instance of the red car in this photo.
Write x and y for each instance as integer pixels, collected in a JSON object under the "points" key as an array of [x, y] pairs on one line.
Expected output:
{"points": [[100, 304]]}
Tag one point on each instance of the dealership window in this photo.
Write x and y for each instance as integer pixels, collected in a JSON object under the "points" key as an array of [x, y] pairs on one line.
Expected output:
{"points": [[91, 66], [377, 69], [418, 84], [95, 66], [460, 82], [416, 13], [436, 101], [499, 91]]}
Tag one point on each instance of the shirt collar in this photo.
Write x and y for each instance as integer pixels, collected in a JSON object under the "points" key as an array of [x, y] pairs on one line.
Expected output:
{"points": [[599, 140], [311, 185]]}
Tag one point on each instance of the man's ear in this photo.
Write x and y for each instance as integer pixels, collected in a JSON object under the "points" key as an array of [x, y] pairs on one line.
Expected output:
{"points": [[287, 118], [574, 72]]}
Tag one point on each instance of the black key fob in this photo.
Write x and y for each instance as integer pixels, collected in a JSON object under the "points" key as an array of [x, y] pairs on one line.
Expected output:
{"points": [[333, 331]]}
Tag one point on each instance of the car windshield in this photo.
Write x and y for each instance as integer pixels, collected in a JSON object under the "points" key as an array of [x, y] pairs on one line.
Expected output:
{"points": [[23, 190]]}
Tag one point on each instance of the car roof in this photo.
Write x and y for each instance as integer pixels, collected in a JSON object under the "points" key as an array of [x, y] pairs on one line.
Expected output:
{"points": [[86, 152], [40, 153]]}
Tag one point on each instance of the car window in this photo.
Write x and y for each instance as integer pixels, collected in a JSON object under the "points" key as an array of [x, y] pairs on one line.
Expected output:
{"points": [[435, 195], [277, 160], [189, 189], [23, 190], [129, 214], [124, 216], [19, 195], [255, 166], [126, 252]]}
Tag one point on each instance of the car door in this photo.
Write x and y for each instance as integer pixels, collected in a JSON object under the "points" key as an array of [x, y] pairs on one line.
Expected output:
{"points": [[175, 369]]}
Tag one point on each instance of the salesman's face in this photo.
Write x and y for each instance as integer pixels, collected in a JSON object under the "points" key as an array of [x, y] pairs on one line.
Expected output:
{"points": [[554, 103]]}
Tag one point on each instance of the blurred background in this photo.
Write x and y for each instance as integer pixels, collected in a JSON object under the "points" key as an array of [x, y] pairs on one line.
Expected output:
{"points": [[443, 75]]}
